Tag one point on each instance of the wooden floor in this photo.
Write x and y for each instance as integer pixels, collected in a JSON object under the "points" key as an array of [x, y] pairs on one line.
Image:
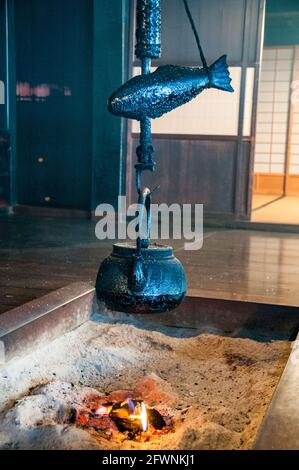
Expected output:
{"points": [[261, 200], [38, 255], [272, 209]]}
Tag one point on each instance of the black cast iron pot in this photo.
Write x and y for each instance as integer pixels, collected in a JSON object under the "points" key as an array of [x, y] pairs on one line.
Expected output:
{"points": [[151, 281]]}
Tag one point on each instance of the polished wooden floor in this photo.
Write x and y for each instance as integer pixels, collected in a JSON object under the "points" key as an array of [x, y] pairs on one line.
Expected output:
{"points": [[39, 254]]}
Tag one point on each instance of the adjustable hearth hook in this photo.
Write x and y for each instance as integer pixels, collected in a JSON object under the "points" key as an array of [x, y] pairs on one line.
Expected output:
{"points": [[144, 277], [148, 46], [138, 276]]}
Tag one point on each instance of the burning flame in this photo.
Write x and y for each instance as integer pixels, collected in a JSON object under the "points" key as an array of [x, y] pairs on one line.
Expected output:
{"points": [[139, 412], [126, 410]]}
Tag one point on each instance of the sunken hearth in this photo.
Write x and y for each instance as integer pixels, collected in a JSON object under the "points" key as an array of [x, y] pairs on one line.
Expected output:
{"points": [[112, 385]]}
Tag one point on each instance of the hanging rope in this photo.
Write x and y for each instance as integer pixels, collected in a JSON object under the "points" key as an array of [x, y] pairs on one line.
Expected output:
{"points": [[203, 59]]}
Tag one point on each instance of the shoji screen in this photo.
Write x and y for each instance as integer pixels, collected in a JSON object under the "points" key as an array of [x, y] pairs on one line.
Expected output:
{"points": [[292, 184], [273, 119]]}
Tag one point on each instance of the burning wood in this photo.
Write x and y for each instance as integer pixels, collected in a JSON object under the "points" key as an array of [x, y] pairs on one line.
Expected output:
{"points": [[130, 417]]}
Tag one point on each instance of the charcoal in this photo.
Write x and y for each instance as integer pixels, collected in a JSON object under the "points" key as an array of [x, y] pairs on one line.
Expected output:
{"points": [[155, 419]]}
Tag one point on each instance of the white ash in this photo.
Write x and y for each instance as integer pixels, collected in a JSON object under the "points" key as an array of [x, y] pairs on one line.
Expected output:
{"points": [[220, 386]]}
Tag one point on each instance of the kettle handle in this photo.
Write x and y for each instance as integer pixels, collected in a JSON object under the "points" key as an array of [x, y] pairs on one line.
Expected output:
{"points": [[144, 203], [138, 276]]}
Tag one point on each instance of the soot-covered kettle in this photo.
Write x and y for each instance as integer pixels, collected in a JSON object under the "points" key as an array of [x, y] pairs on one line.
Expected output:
{"points": [[142, 277]]}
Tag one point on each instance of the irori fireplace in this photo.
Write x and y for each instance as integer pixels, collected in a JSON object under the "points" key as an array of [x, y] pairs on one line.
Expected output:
{"points": [[203, 386]]}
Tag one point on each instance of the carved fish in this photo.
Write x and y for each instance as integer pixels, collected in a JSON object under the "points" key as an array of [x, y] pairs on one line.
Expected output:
{"points": [[169, 87]]}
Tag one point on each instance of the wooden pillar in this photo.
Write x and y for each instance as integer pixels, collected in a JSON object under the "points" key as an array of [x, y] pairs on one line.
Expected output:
{"points": [[110, 52], [253, 11]]}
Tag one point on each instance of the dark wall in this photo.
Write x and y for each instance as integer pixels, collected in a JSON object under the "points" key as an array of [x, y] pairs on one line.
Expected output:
{"points": [[5, 154], [187, 170], [282, 23], [4, 169], [110, 67], [221, 27], [70, 56], [54, 145]]}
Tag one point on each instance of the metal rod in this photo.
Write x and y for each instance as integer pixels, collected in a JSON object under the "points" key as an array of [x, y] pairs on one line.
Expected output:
{"points": [[145, 123], [145, 142], [145, 150], [148, 46]]}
